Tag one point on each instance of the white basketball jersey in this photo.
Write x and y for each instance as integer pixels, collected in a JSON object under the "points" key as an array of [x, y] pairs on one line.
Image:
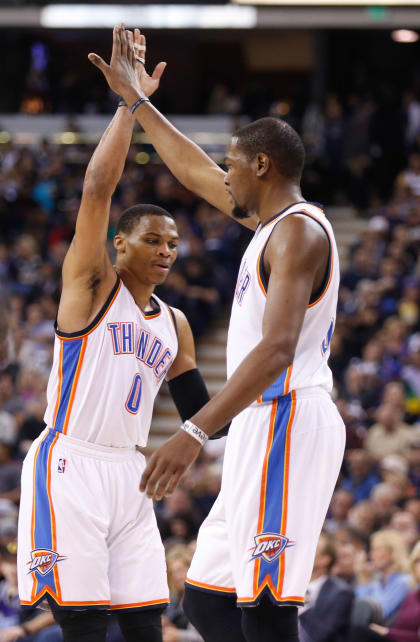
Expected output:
{"points": [[104, 379], [310, 364]]}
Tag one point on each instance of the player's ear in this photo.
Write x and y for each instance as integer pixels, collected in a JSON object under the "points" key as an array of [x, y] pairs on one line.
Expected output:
{"points": [[262, 163], [119, 243]]}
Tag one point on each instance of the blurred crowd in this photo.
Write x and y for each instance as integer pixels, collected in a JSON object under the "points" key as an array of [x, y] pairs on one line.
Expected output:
{"points": [[368, 558]]}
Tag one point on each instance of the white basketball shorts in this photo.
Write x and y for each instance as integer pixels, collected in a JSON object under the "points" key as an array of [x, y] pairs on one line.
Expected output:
{"points": [[88, 537], [281, 464]]}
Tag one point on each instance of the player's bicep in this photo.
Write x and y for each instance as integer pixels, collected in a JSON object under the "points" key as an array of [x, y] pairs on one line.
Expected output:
{"points": [[87, 252], [185, 359], [295, 255]]}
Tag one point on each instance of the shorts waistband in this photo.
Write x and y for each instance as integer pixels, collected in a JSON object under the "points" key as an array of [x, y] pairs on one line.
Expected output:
{"points": [[299, 393], [114, 453]]}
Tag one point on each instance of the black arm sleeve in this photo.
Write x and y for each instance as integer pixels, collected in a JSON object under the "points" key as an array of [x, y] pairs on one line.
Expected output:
{"points": [[189, 393]]}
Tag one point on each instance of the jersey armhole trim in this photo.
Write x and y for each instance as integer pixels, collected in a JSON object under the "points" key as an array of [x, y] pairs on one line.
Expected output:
{"points": [[173, 319], [262, 279], [96, 321]]}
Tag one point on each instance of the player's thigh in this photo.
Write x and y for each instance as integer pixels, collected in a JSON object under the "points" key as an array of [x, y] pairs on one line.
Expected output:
{"points": [[63, 527], [137, 566]]}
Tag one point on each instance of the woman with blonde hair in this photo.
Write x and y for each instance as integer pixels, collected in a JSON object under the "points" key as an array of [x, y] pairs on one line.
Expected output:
{"points": [[384, 579], [176, 627], [406, 625]]}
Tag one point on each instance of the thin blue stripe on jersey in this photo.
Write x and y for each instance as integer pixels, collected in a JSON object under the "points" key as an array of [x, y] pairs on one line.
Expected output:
{"points": [[71, 354], [43, 524], [274, 488]]}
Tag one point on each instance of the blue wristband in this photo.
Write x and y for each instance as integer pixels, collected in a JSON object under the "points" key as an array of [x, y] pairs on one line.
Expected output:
{"points": [[137, 103]]}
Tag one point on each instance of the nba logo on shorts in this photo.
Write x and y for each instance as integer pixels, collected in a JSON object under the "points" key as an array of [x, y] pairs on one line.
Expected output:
{"points": [[61, 465], [269, 546]]}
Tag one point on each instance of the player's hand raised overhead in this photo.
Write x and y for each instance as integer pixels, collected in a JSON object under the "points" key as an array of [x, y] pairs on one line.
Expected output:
{"points": [[126, 71], [167, 465]]}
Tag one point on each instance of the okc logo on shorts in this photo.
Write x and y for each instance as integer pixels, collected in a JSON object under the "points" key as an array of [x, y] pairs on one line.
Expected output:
{"points": [[269, 546], [43, 560]]}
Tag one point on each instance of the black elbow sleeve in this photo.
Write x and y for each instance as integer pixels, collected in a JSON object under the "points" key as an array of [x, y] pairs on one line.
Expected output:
{"points": [[190, 394]]}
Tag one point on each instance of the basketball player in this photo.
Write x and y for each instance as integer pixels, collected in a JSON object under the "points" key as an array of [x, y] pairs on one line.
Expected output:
{"points": [[88, 539], [285, 446]]}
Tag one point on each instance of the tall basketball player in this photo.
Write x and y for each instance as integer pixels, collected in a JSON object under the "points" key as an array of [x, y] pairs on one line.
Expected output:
{"points": [[88, 539], [285, 446]]}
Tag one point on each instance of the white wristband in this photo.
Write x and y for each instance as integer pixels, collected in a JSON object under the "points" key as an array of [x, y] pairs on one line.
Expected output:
{"points": [[194, 431]]}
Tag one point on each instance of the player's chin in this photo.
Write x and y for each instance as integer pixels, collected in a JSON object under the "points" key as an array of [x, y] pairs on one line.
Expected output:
{"points": [[159, 278], [240, 212]]}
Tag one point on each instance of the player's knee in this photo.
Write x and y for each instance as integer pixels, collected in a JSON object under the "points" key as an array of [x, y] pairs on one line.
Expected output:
{"points": [[268, 622], [82, 626], [145, 625]]}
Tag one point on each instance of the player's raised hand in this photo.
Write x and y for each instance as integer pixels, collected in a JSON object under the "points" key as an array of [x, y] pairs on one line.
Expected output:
{"points": [[147, 84], [120, 74], [167, 465]]}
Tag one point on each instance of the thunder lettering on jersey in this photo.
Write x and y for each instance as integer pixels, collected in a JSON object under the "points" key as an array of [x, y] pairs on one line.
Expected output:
{"points": [[104, 379], [310, 364]]}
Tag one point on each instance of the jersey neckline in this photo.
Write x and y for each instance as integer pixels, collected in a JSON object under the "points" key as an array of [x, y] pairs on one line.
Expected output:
{"points": [[283, 211]]}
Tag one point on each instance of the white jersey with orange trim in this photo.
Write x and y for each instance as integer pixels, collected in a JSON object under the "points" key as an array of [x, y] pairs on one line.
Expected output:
{"points": [[104, 379], [310, 364], [283, 452], [86, 533]]}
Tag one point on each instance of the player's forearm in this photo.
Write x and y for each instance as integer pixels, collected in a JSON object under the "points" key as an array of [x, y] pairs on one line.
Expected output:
{"points": [[186, 160], [108, 160], [257, 372]]}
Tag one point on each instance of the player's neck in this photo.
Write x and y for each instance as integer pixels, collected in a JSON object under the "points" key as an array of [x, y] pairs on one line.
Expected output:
{"points": [[141, 292], [276, 199]]}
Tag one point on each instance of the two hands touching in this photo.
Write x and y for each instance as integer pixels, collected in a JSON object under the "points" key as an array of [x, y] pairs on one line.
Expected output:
{"points": [[126, 73]]}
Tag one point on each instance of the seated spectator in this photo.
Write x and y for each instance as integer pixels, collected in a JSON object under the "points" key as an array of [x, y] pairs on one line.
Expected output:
{"points": [[361, 477], [384, 498], [342, 501], [384, 579], [17, 625], [390, 434], [363, 517], [394, 470], [405, 523], [328, 602], [406, 626], [176, 627], [344, 564]]}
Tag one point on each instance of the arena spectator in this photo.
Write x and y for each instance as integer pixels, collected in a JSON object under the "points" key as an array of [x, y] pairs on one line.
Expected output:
{"points": [[341, 502], [176, 627], [328, 600], [17, 625], [405, 627], [389, 563], [361, 477], [390, 434]]}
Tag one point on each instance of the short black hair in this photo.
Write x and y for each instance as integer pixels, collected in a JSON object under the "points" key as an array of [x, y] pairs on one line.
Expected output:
{"points": [[277, 139], [130, 218]]}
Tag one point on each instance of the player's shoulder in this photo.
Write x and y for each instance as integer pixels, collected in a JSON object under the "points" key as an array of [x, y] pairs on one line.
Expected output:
{"points": [[179, 317], [298, 230]]}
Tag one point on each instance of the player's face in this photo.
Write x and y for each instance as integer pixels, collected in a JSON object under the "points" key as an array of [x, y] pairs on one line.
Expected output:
{"points": [[151, 248], [239, 180]]}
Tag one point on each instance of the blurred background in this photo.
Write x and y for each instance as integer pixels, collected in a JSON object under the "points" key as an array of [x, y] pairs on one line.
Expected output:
{"points": [[346, 75]]}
